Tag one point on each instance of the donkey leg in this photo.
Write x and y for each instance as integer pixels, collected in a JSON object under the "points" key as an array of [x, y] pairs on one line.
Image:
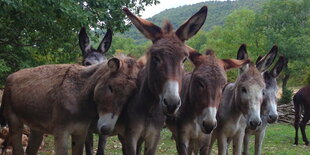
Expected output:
{"points": [[246, 141], [204, 145], [182, 144], [15, 134], [151, 142], [78, 144], [61, 143], [303, 124], [213, 138], [296, 121], [89, 143], [131, 140], [259, 138], [237, 143], [121, 139], [101, 144], [139, 146], [222, 144], [35, 140]]}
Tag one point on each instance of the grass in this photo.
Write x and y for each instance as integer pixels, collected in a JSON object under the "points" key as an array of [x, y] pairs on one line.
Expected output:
{"points": [[279, 140]]}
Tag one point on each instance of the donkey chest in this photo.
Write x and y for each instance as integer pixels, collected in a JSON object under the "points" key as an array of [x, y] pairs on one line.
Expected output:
{"points": [[232, 126]]}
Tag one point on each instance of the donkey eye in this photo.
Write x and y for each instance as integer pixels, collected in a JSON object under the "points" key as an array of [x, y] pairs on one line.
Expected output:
{"points": [[87, 64], [243, 90], [110, 88], [156, 60], [201, 84]]}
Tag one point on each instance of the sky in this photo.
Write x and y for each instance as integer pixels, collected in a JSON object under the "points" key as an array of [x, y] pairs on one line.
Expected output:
{"points": [[167, 4]]}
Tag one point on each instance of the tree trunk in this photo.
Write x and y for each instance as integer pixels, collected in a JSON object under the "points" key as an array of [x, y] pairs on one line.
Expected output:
{"points": [[285, 79]]}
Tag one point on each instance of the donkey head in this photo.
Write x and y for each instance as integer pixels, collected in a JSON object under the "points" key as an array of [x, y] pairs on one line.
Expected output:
{"points": [[207, 82], [166, 56], [269, 106], [114, 91], [250, 86], [90, 55]]}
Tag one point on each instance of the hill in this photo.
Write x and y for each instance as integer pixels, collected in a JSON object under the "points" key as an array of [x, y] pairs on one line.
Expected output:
{"points": [[218, 11]]}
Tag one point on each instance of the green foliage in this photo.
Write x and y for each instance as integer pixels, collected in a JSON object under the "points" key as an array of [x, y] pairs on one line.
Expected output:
{"points": [[36, 32], [286, 97]]}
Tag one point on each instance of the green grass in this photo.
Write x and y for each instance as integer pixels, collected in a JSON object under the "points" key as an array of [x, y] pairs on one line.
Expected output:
{"points": [[279, 140]]}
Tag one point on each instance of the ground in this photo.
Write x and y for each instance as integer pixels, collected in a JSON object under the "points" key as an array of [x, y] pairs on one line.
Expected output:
{"points": [[278, 141]]}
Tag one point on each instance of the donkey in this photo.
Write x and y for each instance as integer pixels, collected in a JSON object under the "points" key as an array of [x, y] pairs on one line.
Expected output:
{"points": [[63, 100], [90, 55], [269, 112], [302, 101], [158, 83], [93, 56], [201, 93], [240, 104]]}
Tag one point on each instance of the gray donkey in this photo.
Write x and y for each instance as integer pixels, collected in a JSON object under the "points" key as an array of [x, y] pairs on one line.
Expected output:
{"points": [[90, 55], [240, 105], [269, 112]]}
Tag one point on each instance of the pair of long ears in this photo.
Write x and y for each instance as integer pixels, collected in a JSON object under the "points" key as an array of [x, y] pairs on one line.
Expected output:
{"points": [[86, 47], [184, 32], [227, 64], [262, 63]]}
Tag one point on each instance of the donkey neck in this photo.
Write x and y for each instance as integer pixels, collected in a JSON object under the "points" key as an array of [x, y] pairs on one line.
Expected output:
{"points": [[145, 94]]}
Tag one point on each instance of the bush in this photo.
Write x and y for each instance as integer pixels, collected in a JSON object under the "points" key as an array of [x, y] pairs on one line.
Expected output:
{"points": [[286, 96]]}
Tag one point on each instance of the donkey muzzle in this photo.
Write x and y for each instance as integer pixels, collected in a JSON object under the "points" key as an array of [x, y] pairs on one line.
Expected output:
{"points": [[208, 127], [170, 98], [272, 118], [106, 123]]}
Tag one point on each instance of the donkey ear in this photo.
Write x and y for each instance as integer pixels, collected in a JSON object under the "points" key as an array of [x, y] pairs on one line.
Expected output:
{"points": [[106, 42], [148, 29], [84, 41], [276, 70], [242, 52], [114, 64], [194, 57], [193, 24], [234, 63], [266, 61]]}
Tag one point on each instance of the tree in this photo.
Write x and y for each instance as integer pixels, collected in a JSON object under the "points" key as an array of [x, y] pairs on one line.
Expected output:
{"points": [[287, 24], [37, 32]]}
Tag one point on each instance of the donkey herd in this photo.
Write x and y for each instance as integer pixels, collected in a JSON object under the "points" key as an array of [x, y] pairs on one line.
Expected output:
{"points": [[136, 99]]}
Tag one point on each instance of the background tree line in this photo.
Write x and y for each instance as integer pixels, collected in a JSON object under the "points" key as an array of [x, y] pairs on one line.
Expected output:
{"points": [[44, 32]]}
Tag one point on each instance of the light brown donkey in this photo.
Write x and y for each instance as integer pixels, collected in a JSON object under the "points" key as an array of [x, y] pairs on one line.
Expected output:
{"points": [[240, 104], [159, 82], [63, 99], [201, 94]]}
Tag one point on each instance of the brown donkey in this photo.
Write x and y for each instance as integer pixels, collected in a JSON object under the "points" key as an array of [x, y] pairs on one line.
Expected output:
{"points": [[158, 83], [63, 99], [201, 94], [93, 56], [269, 112], [302, 101], [240, 104]]}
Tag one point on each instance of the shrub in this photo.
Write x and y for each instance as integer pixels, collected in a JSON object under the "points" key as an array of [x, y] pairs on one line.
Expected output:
{"points": [[286, 96]]}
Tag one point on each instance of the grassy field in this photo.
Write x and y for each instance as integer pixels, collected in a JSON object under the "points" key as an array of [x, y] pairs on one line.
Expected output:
{"points": [[278, 141]]}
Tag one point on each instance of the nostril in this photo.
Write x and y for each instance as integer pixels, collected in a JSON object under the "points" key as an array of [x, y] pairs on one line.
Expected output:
{"points": [[87, 64], [104, 130], [165, 102], [259, 123], [251, 123]]}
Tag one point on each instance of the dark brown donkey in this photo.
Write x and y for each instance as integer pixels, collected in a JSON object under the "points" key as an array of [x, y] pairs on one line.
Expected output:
{"points": [[93, 56], [302, 101], [90, 55], [201, 94], [158, 83], [63, 99]]}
